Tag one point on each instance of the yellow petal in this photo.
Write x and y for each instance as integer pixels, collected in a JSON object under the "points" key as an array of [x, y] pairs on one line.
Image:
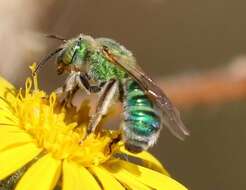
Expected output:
{"points": [[76, 177], [10, 129], [42, 175], [5, 84], [7, 118], [7, 90], [7, 113], [126, 178], [148, 160], [6, 109], [11, 136], [107, 180], [144, 175], [6, 121], [14, 158]]}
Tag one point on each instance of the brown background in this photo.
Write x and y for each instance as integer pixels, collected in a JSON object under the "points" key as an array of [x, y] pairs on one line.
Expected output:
{"points": [[168, 37]]}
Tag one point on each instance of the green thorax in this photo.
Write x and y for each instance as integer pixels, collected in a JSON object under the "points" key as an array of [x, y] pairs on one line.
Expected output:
{"points": [[101, 68]]}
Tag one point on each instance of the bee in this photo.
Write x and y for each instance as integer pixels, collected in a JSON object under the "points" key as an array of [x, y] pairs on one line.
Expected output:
{"points": [[103, 66]]}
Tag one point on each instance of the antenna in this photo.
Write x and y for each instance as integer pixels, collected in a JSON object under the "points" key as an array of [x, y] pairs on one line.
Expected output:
{"points": [[56, 37], [46, 59]]}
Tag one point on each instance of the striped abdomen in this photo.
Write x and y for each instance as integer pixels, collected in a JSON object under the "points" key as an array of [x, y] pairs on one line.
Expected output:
{"points": [[142, 122]]}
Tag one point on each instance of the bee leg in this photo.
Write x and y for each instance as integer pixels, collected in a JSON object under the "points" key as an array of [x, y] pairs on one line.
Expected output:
{"points": [[69, 97], [109, 91], [67, 91], [83, 82], [76, 81]]}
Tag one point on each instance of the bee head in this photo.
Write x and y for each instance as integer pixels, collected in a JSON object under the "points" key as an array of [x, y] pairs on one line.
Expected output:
{"points": [[73, 55], [70, 56]]}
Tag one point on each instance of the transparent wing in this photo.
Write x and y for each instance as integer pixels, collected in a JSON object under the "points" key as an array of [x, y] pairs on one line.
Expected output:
{"points": [[171, 116]]}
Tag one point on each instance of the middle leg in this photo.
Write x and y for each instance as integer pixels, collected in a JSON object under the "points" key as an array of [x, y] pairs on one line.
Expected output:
{"points": [[108, 94]]}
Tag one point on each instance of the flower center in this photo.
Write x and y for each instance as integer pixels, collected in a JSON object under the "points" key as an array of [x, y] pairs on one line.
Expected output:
{"points": [[61, 131]]}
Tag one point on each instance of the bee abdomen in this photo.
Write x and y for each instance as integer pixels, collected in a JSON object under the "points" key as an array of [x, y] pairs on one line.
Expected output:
{"points": [[142, 122]]}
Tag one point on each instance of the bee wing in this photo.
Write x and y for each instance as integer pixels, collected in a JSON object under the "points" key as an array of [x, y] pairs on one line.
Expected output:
{"points": [[171, 116]]}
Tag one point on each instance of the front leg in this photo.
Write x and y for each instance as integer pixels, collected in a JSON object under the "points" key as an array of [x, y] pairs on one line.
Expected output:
{"points": [[67, 91], [109, 91], [76, 81], [84, 82]]}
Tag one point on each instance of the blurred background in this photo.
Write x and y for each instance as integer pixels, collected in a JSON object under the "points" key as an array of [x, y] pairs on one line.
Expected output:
{"points": [[195, 49]]}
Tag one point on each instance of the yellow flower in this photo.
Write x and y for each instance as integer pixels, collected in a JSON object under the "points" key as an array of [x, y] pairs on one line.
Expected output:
{"points": [[48, 142]]}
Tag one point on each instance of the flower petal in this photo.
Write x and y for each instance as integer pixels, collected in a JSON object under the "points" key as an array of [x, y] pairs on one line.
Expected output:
{"points": [[107, 180], [6, 109], [76, 177], [42, 175], [7, 93], [6, 112], [6, 117], [126, 178], [5, 105], [14, 158], [148, 160], [5, 84], [13, 136], [144, 175]]}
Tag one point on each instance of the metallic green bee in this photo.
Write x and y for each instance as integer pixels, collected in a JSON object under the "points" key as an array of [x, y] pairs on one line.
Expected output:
{"points": [[102, 65]]}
